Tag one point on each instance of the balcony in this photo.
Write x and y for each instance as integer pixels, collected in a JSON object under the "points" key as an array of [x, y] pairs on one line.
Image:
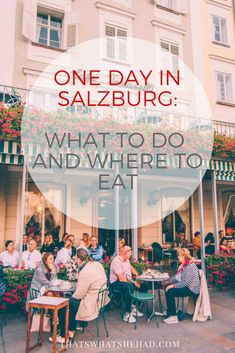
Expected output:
{"points": [[12, 95], [224, 128]]}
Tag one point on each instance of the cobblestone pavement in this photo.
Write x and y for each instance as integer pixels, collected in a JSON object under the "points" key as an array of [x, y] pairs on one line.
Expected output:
{"points": [[214, 336]]}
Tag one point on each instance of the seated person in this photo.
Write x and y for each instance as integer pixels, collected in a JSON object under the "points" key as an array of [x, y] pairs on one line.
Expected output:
{"points": [[185, 283], [221, 234], [64, 255], [61, 243], [180, 241], [121, 246], [209, 239], [85, 241], [25, 242], [49, 245], [43, 275], [197, 244], [230, 247], [9, 257], [83, 303], [31, 257], [120, 269], [225, 247], [210, 246], [2, 283], [157, 252], [121, 243], [73, 249], [72, 269], [95, 251]]}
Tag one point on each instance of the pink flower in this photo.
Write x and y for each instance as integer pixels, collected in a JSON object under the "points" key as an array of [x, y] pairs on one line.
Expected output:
{"points": [[7, 294], [7, 300]]}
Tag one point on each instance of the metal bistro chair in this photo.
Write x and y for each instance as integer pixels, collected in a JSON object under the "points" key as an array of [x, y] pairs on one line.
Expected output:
{"points": [[116, 296], [140, 297], [118, 300], [33, 294], [102, 294]]}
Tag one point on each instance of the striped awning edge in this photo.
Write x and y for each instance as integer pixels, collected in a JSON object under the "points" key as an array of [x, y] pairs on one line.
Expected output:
{"points": [[10, 153], [225, 170]]}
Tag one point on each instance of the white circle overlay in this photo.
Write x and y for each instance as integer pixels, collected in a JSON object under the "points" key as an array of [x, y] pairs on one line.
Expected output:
{"points": [[121, 129]]}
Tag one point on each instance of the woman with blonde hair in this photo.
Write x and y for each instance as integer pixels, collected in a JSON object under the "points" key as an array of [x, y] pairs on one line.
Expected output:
{"points": [[185, 283], [85, 241]]}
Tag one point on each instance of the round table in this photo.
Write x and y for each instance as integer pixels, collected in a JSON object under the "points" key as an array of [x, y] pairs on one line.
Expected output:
{"points": [[153, 280], [57, 290]]}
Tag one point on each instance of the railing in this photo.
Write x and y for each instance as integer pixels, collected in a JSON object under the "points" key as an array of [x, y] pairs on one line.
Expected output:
{"points": [[13, 95], [224, 128]]}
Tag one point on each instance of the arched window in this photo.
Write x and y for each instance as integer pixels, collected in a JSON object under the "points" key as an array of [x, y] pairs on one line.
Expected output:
{"points": [[176, 214]]}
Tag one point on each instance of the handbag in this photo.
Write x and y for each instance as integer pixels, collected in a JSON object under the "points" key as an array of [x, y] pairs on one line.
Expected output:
{"points": [[36, 323]]}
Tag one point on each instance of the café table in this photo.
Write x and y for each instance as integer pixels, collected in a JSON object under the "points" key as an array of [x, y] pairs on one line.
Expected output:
{"points": [[153, 280], [60, 290], [47, 303]]}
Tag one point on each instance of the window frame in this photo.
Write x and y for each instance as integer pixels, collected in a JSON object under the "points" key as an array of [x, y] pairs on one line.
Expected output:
{"points": [[221, 41], [116, 57], [171, 55], [48, 26], [218, 89]]}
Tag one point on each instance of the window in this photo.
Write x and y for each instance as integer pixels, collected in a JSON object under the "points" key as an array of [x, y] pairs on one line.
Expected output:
{"points": [[224, 87], [38, 99], [220, 29], [116, 43], [176, 6], [49, 30], [45, 101], [178, 219], [170, 56], [166, 3], [41, 216]]}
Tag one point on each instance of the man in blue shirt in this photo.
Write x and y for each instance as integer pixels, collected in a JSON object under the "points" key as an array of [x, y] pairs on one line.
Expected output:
{"points": [[95, 251]]}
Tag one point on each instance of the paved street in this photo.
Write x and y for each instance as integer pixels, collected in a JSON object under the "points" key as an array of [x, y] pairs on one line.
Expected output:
{"points": [[215, 336]]}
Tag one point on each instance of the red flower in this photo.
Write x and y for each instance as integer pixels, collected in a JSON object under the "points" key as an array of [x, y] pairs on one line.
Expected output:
{"points": [[7, 300], [13, 291], [19, 286], [7, 294]]}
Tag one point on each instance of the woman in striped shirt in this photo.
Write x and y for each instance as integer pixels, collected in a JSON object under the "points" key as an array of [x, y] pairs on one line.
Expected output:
{"points": [[185, 283]]}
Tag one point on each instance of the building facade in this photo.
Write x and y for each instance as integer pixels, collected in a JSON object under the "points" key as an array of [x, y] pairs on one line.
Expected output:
{"points": [[200, 33]]}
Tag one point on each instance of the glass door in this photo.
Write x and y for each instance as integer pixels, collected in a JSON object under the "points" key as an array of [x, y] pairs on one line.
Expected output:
{"points": [[41, 217]]}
